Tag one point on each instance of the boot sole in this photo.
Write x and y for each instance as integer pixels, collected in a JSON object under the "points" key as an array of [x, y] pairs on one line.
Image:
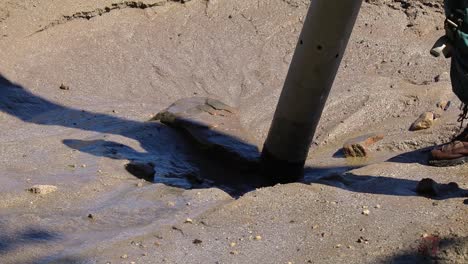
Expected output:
{"points": [[449, 163]]}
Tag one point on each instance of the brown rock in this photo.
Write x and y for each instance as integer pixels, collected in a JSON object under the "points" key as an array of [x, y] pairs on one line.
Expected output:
{"points": [[358, 147], [425, 121]]}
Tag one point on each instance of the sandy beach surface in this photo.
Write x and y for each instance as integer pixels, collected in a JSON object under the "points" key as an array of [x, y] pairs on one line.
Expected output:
{"points": [[80, 80]]}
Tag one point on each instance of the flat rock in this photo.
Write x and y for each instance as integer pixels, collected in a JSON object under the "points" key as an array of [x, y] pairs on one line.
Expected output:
{"points": [[358, 147], [42, 189], [214, 125], [424, 121]]}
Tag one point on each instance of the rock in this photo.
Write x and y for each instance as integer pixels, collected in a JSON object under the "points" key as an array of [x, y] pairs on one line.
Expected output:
{"points": [[358, 147], [43, 189], [444, 105], [363, 240], [124, 256], [430, 188], [366, 212], [197, 241], [188, 221], [258, 237], [427, 187], [141, 170], [215, 126], [232, 244], [64, 87], [425, 121]]}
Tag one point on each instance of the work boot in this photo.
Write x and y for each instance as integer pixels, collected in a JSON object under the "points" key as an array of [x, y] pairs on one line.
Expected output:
{"points": [[450, 154]]}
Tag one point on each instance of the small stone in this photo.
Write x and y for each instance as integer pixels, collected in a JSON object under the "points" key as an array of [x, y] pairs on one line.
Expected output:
{"points": [[83, 165], [315, 226], [157, 244], [132, 262], [358, 147], [378, 206], [232, 244], [366, 212], [171, 204], [258, 237], [188, 221], [139, 184], [338, 246], [90, 216], [363, 240], [73, 166], [444, 105], [141, 170], [234, 252], [435, 203], [43, 189], [124, 256], [64, 87], [424, 121], [350, 247], [197, 241]]}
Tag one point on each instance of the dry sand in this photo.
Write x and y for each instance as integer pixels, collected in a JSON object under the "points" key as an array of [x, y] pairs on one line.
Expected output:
{"points": [[121, 62]]}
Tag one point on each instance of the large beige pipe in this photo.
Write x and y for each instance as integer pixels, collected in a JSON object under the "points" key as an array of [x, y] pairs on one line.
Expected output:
{"points": [[318, 54]]}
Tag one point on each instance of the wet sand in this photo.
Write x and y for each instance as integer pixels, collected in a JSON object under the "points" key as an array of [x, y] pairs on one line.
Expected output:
{"points": [[120, 63]]}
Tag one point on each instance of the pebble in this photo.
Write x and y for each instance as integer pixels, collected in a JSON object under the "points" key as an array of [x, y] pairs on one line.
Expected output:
{"points": [[197, 241], [234, 252], [232, 244], [140, 184], [338, 246], [424, 121], [366, 212], [64, 87], [124, 256], [188, 221], [363, 240], [444, 105], [378, 206], [258, 237], [43, 189]]}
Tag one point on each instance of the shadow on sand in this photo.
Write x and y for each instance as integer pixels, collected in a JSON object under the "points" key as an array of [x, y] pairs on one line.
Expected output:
{"points": [[174, 155]]}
